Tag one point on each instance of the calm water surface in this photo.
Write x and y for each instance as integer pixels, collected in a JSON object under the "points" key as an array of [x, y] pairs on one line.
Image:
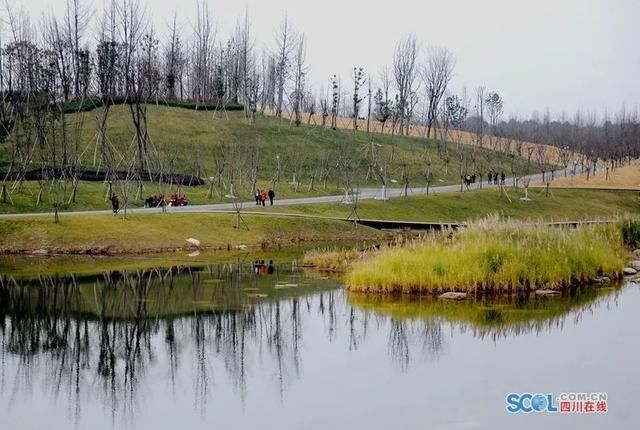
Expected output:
{"points": [[220, 347]]}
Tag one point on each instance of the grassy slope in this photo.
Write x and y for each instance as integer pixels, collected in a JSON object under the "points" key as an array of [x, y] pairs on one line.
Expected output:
{"points": [[139, 233], [180, 137], [183, 134], [562, 204]]}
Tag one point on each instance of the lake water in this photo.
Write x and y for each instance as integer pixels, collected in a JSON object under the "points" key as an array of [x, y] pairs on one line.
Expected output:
{"points": [[217, 346]]}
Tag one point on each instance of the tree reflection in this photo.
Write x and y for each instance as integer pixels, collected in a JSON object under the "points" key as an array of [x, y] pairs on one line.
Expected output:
{"points": [[209, 326]]}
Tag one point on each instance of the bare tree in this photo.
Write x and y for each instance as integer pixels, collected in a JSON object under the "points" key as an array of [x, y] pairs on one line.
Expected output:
{"points": [[269, 79], [140, 72], [108, 70], [202, 63], [285, 42], [324, 108], [479, 119], [404, 73], [369, 102], [77, 19], [437, 74], [175, 62], [299, 75]]}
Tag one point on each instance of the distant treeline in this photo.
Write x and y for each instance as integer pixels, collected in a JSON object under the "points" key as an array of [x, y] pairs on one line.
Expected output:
{"points": [[610, 138]]}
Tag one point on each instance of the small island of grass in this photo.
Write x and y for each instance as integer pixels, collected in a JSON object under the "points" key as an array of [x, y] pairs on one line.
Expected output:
{"points": [[494, 256]]}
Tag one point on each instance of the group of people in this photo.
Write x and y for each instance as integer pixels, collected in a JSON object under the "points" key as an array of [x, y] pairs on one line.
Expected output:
{"points": [[260, 268], [157, 201], [261, 197], [494, 177]]}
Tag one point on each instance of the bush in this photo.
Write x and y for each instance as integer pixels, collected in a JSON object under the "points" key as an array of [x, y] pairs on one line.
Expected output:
{"points": [[90, 103], [631, 233]]}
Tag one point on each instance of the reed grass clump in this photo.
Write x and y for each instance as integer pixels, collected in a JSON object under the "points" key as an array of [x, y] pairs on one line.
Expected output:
{"points": [[631, 232], [491, 255], [334, 260]]}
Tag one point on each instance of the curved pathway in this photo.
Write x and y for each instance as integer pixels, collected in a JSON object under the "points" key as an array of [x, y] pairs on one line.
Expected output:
{"points": [[365, 194]]}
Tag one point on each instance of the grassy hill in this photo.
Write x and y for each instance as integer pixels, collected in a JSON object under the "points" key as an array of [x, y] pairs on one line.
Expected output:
{"points": [[199, 142]]}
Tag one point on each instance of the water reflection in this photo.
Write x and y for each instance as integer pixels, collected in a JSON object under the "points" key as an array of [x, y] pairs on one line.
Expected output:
{"points": [[494, 317], [76, 333], [107, 338]]}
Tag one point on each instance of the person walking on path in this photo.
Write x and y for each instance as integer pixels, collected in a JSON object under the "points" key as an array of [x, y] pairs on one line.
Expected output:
{"points": [[272, 195], [257, 197], [115, 204], [263, 197]]}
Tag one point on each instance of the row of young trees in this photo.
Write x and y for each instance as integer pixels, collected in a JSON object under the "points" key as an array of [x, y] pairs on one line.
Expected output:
{"points": [[63, 59]]}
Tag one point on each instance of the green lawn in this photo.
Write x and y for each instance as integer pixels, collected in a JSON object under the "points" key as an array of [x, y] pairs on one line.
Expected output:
{"points": [[560, 205], [167, 232]]}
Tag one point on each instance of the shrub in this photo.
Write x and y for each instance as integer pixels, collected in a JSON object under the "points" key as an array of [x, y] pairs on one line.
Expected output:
{"points": [[631, 233], [90, 103]]}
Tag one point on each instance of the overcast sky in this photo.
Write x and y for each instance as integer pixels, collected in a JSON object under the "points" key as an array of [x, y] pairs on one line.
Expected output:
{"points": [[558, 54]]}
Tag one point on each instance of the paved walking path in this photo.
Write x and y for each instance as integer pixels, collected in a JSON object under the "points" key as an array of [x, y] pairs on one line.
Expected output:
{"points": [[365, 194]]}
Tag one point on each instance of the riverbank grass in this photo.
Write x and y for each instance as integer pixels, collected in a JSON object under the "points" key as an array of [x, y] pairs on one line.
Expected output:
{"points": [[145, 233], [494, 256], [333, 260]]}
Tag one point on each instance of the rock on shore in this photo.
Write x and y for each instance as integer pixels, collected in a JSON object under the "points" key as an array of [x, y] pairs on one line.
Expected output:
{"points": [[452, 295]]}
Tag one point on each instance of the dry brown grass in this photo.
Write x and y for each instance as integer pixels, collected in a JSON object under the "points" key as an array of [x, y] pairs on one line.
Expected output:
{"points": [[523, 149], [334, 260], [623, 178]]}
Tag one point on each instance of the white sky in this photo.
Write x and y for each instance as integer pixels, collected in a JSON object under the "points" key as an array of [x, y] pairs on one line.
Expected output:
{"points": [[558, 54]]}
